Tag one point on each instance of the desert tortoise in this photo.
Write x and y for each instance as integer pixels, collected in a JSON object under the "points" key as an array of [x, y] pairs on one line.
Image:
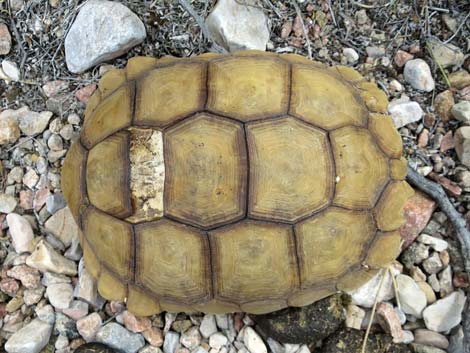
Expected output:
{"points": [[243, 182]]}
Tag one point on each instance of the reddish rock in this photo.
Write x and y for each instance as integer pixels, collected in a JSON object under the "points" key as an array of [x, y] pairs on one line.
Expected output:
{"points": [[26, 199], [116, 307], [5, 39], [418, 212], [52, 88], [3, 310], [445, 257], [401, 57], [423, 138], [464, 93], [390, 322], [29, 277], [9, 286], [453, 188], [286, 29], [154, 336], [84, 94], [443, 103], [460, 280], [89, 326], [447, 142], [40, 198], [134, 323], [238, 321]]}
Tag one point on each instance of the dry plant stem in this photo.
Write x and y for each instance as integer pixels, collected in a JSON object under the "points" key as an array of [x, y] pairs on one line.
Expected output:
{"points": [[201, 24], [307, 39], [374, 307], [436, 192]]}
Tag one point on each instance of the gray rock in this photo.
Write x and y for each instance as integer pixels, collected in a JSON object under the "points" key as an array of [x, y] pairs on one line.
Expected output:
{"points": [[60, 295], [7, 203], [102, 31], [191, 338], [32, 123], [172, 342], [236, 26], [446, 313], [45, 259], [55, 202], [404, 112], [445, 282], [436, 243], [462, 144], [33, 296], [208, 325], [418, 74], [412, 298], [447, 54], [415, 254], [46, 314], [456, 341], [433, 264], [65, 326], [431, 338], [30, 339], [461, 111], [118, 337], [152, 349]]}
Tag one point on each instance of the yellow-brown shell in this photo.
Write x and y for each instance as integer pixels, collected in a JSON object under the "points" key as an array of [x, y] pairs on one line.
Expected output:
{"points": [[275, 181]]}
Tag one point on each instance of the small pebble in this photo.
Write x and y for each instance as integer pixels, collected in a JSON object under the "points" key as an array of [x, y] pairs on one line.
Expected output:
{"points": [[418, 74]]}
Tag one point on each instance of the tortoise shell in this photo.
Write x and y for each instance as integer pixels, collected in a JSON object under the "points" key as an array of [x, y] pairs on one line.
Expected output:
{"points": [[244, 182]]}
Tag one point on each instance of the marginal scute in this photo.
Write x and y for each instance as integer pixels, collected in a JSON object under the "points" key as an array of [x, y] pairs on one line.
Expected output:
{"points": [[262, 87], [347, 73], [175, 307], [264, 306], [217, 306], [107, 175], [398, 168], [330, 243], [111, 81], [73, 179], [384, 249], [361, 168], [253, 261], [389, 210], [102, 231], [355, 279], [111, 287], [138, 65], [318, 96], [310, 295], [99, 125], [140, 303], [374, 98], [205, 182], [169, 93], [388, 138], [91, 262], [173, 261], [299, 59], [303, 155], [93, 102]]}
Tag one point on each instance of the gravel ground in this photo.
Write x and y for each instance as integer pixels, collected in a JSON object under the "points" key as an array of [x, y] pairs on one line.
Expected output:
{"points": [[43, 286]]}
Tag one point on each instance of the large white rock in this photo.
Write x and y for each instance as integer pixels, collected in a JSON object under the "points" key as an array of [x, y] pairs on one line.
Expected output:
{"points": [[418, 74], [21, 232], [102, 31], [236, 26], [446, 313], [46, 259], [62, 225], [60, 295], [253, 341], [30, 339], [404, 111], [412, 298]]}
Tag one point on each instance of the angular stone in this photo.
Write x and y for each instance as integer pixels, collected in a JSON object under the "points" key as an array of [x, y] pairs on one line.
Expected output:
{"points": [[461, 111], [171, 342], [30, 339], [253, 341], [134, 323], [60, 295], [76, 310], [7, 203], [436, 243], [101, 31], [45, 258], [462, 144], [118, 337], [459, 79], [238, 26], [443, 104], [354, 316], [418, 74], [404, 112], [431, 338], [446, 313], [412, 298], [447, 54], [88, 326], [62, 225], [21, 232], [29, 277], [9, 130], [208, 325]]}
